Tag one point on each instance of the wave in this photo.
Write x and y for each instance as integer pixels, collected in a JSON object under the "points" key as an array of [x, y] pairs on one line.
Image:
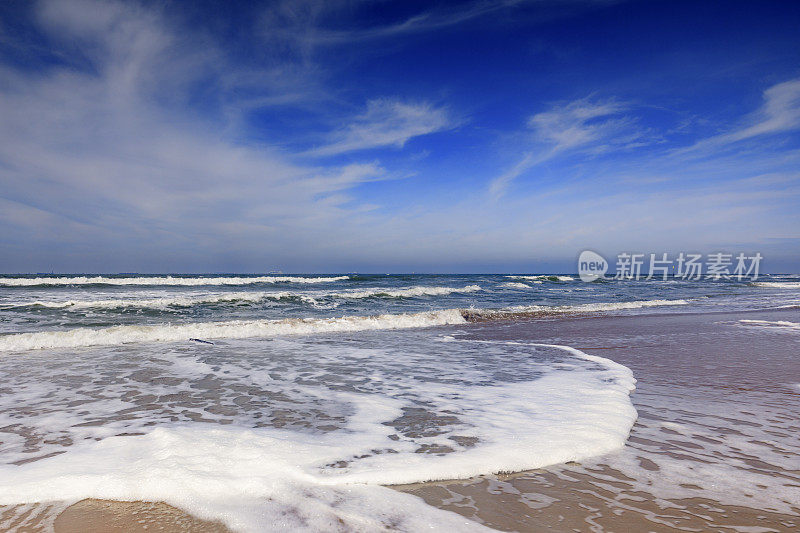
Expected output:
{"points": [[165, 303], [477, 315], [163, 280], [409, 292], [515, 285], [775, 325], [776, 284], [238, 329], [238, 297], [544, 277]]}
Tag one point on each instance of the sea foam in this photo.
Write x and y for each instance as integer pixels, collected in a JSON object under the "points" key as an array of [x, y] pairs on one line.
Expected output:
{"points": [[515, 285], [542, 310], [163, 302], [237, 329], [256, 479], [777, 284], [543, 277], [251, 297], [772, 325], [234, 329], [408, 292]]}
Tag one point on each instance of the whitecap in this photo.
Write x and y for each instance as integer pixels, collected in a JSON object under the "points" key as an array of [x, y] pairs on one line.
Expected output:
{"points": [[164, 280]]}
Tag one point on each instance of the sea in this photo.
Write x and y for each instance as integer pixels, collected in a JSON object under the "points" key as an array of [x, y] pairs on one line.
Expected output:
{"points": [[321, 402]]}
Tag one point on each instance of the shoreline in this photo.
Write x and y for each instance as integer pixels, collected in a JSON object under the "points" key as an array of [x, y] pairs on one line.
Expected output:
{"points": [[694, 356], [672, 355]]}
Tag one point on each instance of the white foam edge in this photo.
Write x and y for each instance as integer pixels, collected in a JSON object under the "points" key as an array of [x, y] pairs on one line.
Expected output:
{"points": [[237, 329], [253, 297], [250, 478]]}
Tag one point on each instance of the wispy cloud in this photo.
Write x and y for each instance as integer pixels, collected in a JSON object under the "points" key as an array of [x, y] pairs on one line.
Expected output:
{"points": [[588, 126], [426, 21], [93, 147], [779, 113], [306, 25], [499, 184], [582, 124], [577, 123], [387, 122]]}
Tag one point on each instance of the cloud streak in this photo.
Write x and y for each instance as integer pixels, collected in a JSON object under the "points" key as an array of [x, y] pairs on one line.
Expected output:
{"points": [[590, 127], [302, 24], [576, 125], [386, 123], [779, 113]]}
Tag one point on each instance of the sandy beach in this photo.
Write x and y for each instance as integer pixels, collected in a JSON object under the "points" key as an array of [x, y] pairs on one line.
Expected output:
{"points": [[714, 447]]}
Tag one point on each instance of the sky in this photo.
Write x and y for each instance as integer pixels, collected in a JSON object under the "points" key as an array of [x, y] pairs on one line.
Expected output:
{"points": [[340, 136]]}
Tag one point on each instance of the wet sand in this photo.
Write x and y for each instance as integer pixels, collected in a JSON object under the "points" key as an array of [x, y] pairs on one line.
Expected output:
{"points": [[105, 516], [715, 447], [717, 427]]}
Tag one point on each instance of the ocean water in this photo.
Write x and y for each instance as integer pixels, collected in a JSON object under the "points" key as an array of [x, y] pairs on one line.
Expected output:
{"points": [[291, 401], [83, 310]]}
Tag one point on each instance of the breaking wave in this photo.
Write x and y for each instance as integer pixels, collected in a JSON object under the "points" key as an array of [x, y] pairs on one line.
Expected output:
{"points": [[238, 297], [515, 285], [543, 277], [165, 303], [163, 280], [409, 292], [237, 329], [777, 284], [476, 315], [774, 325]]}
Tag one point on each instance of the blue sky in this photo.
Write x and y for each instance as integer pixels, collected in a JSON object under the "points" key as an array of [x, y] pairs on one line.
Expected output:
{"points": [[334, 136]]}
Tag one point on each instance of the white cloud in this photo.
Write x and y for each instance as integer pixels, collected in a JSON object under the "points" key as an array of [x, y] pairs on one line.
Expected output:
{"points": [[577, 123], [780, 113], [301, 24], [387, 122], [94, 148], [499, 185], [581, 124], [305, 25], [597, 127]]}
